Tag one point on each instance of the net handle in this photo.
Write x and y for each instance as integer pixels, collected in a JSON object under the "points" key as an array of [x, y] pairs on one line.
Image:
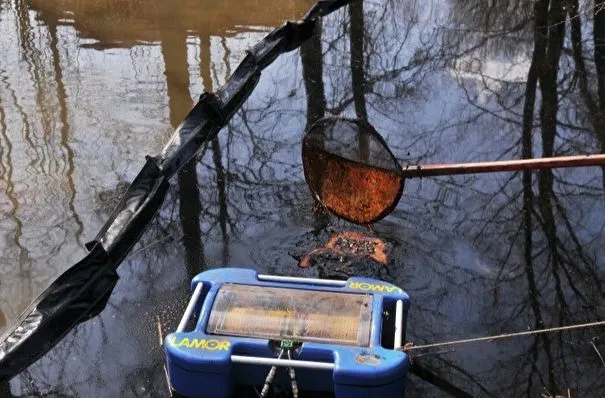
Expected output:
{"points": [[502, 165]]}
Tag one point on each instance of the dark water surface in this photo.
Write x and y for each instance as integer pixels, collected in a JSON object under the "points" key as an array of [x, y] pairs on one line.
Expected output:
{"points": [[88, 88]]}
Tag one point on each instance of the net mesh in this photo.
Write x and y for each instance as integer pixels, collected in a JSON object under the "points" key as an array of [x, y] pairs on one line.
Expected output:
{"points": [[350, 169]]}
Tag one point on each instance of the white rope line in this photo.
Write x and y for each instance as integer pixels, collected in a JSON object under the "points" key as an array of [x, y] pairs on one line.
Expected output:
{"points": [[503, 336]]}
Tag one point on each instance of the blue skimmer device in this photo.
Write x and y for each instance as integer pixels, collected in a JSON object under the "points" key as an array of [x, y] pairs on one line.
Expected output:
{"points": [[339, 336]]}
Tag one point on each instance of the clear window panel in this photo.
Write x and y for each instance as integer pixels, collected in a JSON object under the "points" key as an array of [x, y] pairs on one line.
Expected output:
{"points": [[292, 314]]}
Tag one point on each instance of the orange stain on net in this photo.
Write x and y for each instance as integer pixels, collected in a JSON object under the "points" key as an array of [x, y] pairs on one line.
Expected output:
{"points": [[351, 244], [359, 193]]}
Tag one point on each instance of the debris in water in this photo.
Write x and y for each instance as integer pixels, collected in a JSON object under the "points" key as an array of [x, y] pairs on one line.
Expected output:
{"points": [[347, 244]]}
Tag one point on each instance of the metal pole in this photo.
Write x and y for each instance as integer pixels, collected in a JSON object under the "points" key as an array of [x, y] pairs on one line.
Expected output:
{"points": [[190, 307], [503, 165], [294, 363], [398, 324], [308, 281]]}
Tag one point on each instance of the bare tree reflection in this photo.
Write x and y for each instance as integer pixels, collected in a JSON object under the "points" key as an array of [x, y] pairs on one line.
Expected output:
{"points": [[538, 245], [599, 44], [558, 269], [358, 83], [65, 127], [528, 194], [357, 59], [548, 118], [7, 178], [221, 179], [223, 214], [5, 391], [312, 75], [311, 58], [89, 361], [51, 159], [174, 51], [594, 107], [479, 255]]}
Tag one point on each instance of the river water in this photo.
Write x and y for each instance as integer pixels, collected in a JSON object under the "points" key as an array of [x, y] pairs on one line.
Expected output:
{"points": [[88, 88]]}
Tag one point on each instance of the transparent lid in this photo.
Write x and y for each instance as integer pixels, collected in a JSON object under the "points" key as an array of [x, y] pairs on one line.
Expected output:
{"points": [[291, 314]]}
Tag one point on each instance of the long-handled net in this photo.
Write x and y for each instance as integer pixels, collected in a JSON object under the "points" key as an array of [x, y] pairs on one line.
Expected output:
{"points": [[352, 172]]}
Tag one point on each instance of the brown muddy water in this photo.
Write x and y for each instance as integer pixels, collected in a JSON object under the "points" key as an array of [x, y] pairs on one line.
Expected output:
{"points": [[88, 88]]}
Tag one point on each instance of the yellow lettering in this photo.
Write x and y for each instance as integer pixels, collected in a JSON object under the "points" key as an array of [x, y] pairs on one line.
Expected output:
{"points": [[196, 343], [374, 287], [202, 344], [224, 345], [211, 345]]}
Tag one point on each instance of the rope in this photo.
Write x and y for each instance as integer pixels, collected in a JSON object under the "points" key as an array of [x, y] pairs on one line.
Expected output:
{"points": [[503, 336], [293, 378], [287, 347], [270, 377]]}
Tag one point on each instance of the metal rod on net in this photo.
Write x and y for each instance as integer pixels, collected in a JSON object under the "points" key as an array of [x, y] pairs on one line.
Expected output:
{"points": [[429, 170], [504, 336]]}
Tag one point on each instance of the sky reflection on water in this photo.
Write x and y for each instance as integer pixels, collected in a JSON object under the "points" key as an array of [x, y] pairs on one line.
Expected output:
{"points": [[86, 91]]}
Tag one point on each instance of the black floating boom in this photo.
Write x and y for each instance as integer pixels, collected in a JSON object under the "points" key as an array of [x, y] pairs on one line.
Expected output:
{"points": [[82, 291]]}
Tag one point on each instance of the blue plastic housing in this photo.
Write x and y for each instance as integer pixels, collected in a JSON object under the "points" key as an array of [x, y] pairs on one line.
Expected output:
{"points": [[199, 365]]}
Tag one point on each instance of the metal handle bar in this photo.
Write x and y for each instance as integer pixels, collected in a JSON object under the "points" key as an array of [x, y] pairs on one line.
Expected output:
{"points": [[308, 281], [190, 307], [398, 324], [290, 363]]}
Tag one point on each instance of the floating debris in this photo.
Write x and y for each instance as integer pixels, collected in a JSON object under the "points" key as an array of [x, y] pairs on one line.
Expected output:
{"points": [[349, 246]]}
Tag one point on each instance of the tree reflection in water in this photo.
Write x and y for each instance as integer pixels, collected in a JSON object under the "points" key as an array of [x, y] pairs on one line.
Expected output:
{"points": [[457, 80]]}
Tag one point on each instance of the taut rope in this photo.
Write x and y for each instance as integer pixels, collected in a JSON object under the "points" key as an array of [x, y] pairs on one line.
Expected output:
{"points": [[409, 347]]}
